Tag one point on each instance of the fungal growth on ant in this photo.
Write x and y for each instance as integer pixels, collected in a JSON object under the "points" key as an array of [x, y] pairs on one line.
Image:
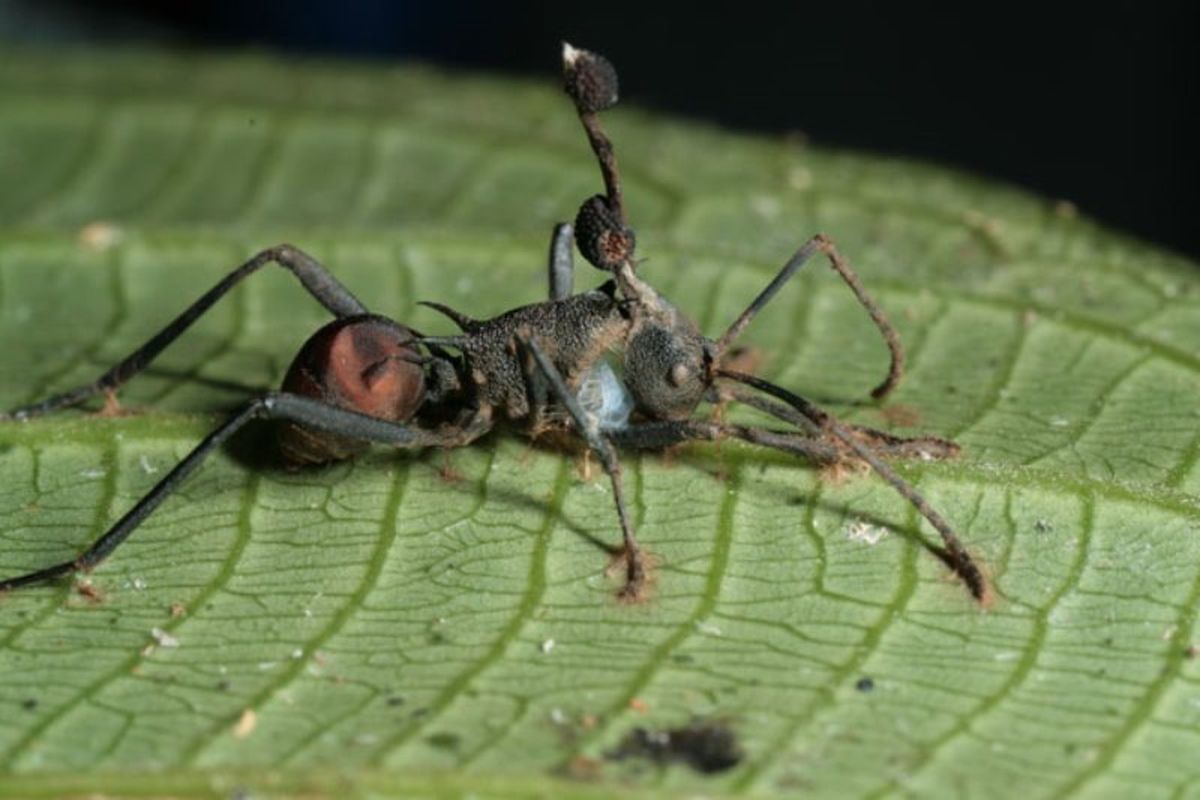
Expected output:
{"points": [[538, 369]]}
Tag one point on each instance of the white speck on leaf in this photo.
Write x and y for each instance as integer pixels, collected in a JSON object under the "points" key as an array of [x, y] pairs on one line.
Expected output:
{"points": [[163, 638], [246, 724], [707, 628], [100, 236], [547, 646], [861, 531]]}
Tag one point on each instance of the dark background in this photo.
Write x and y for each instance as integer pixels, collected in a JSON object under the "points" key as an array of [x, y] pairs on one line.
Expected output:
{"points": [[1092, 103]]}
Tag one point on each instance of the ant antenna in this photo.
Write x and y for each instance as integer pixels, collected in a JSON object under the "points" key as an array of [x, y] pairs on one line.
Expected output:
{"points": [[821, 243], [954, 554]]}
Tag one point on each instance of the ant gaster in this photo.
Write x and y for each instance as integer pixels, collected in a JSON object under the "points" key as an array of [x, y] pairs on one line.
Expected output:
{"points": [[540, 368]]}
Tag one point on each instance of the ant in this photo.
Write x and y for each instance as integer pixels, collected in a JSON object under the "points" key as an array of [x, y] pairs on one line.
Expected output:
{"points": [[540, 368]]}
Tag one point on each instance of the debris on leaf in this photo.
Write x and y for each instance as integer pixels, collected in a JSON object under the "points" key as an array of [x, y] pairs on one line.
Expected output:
{"points": [[246, 724], [861, 531], [100, 235], [706, 747], [88, 591], [163, 639]]}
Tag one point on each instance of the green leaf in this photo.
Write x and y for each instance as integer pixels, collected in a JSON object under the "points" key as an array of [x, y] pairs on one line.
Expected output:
{"points": [[442, 624]]}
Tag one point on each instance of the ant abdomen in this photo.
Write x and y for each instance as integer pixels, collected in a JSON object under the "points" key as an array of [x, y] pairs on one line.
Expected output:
{"points": [[367, 364]]}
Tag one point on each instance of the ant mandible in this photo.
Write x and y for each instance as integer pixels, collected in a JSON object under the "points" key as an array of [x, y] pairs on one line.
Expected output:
{"points": [[364, 378]]}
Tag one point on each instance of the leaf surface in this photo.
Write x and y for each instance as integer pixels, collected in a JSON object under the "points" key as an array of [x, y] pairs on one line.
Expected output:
{"points": [[438, 624]]}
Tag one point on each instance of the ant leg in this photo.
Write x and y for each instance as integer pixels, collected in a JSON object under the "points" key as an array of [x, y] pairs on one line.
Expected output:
{"points": [[600, 444], [561, 262], [823, 244], [659, 435], [315, 278], [292, 408], [954, 553], [926, 447]]}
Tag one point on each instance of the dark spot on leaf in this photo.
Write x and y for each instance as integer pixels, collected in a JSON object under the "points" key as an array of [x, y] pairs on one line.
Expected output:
{"points": [[395, 700], [683, 658], [1190, 651], [865, 684], [419, 712], [224, 685], [706, 747], [29, 704], [444, 741]]}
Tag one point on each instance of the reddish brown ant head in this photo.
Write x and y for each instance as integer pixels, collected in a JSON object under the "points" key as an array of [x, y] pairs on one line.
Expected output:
{"points": [[367, 364]]}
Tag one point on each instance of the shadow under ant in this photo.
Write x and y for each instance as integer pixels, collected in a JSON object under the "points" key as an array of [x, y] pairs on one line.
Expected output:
{"points": [[255, 448]]}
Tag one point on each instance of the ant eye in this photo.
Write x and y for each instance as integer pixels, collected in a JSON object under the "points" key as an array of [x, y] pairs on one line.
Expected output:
{"points": [[679, 374]]}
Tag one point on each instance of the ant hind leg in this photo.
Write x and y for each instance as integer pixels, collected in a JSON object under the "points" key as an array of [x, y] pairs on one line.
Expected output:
{"points": [[302, 411], [317, 280]]}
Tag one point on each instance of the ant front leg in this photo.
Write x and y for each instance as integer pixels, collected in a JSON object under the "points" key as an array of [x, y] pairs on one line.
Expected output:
{"points": [[602, 446], [953, 553], [882, 442], [302, 411], [325, 288], [561, 262], [823, 244]]}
